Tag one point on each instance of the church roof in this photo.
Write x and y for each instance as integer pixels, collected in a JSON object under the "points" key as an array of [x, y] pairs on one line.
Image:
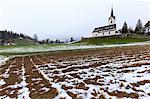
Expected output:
{"points": [[108, 27], [147, 24]]}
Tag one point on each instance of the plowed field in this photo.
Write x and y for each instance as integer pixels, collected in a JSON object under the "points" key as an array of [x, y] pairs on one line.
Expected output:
{"points": [[121, 72]]}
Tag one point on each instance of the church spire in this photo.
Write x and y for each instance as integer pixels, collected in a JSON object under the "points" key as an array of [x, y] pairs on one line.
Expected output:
{"points": [[111, 19], [112, 14]]}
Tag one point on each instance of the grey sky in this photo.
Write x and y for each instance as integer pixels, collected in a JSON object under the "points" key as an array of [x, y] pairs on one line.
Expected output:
{"points": [[65, 18]]}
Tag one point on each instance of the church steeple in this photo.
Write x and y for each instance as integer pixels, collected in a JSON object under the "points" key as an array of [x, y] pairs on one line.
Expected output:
{"points": [[111, 19], [112, 14]]}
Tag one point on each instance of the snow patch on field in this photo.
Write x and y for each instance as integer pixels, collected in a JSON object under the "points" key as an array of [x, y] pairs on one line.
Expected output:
{"points": [[2, 82], [87, 76], [5, 97], [6, 74], [62, 92], [3, 59], [24, 91], [112, 76]]}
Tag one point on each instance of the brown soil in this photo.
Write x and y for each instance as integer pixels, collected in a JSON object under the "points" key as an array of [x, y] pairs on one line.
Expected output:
{"points": [[104, 55], [120, 94]]}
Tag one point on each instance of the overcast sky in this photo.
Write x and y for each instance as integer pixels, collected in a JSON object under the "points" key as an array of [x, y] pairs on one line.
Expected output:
{"points": [[65, 18]]}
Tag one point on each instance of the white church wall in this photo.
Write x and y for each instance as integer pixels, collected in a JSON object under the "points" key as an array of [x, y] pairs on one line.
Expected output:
{"points": [[108, 33], [147, 30]]}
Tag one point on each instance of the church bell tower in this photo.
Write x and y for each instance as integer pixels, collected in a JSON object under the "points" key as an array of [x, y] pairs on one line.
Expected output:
{"points": [[111, 19]]}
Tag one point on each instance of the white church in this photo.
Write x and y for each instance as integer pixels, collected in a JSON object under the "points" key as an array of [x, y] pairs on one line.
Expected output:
{"points": [[108, 30]]}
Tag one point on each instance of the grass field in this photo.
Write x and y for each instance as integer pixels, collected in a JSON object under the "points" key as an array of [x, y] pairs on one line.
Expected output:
{"points": [[110, 40], [22, 50], [23, 42]]}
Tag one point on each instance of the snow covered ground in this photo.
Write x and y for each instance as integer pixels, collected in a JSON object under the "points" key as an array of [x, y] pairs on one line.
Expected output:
{"points": [[3, 59], [63, 47], [84, 81], [103, 73]]}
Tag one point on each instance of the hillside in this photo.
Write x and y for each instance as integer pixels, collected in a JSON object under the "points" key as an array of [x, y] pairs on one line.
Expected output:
{"points": [[23, 42], [20, 42], [110, 40], [11, 38]]}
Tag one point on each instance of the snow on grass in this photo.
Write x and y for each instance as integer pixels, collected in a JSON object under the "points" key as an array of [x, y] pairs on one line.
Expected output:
{"points": [[40, 48]]}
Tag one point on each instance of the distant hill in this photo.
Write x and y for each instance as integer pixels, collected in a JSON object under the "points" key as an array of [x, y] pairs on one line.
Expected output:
{"points": [[110, 40], [11, 38], [23, 42]]}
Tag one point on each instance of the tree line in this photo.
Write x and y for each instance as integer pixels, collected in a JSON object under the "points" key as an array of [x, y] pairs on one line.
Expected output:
{"points": [[57, 41], [139, 28], [4, 35], [7, 36]]}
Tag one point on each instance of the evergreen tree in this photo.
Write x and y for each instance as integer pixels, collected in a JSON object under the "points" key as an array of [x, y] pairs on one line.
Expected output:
{"points": [[6, 35], [51, 41], [57, 41], [47, 40], [71, 39], [139, 27], [125, 28]]}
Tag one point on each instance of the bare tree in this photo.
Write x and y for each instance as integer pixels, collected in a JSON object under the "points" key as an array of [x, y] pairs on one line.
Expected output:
{"points": [[35, 37]]}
